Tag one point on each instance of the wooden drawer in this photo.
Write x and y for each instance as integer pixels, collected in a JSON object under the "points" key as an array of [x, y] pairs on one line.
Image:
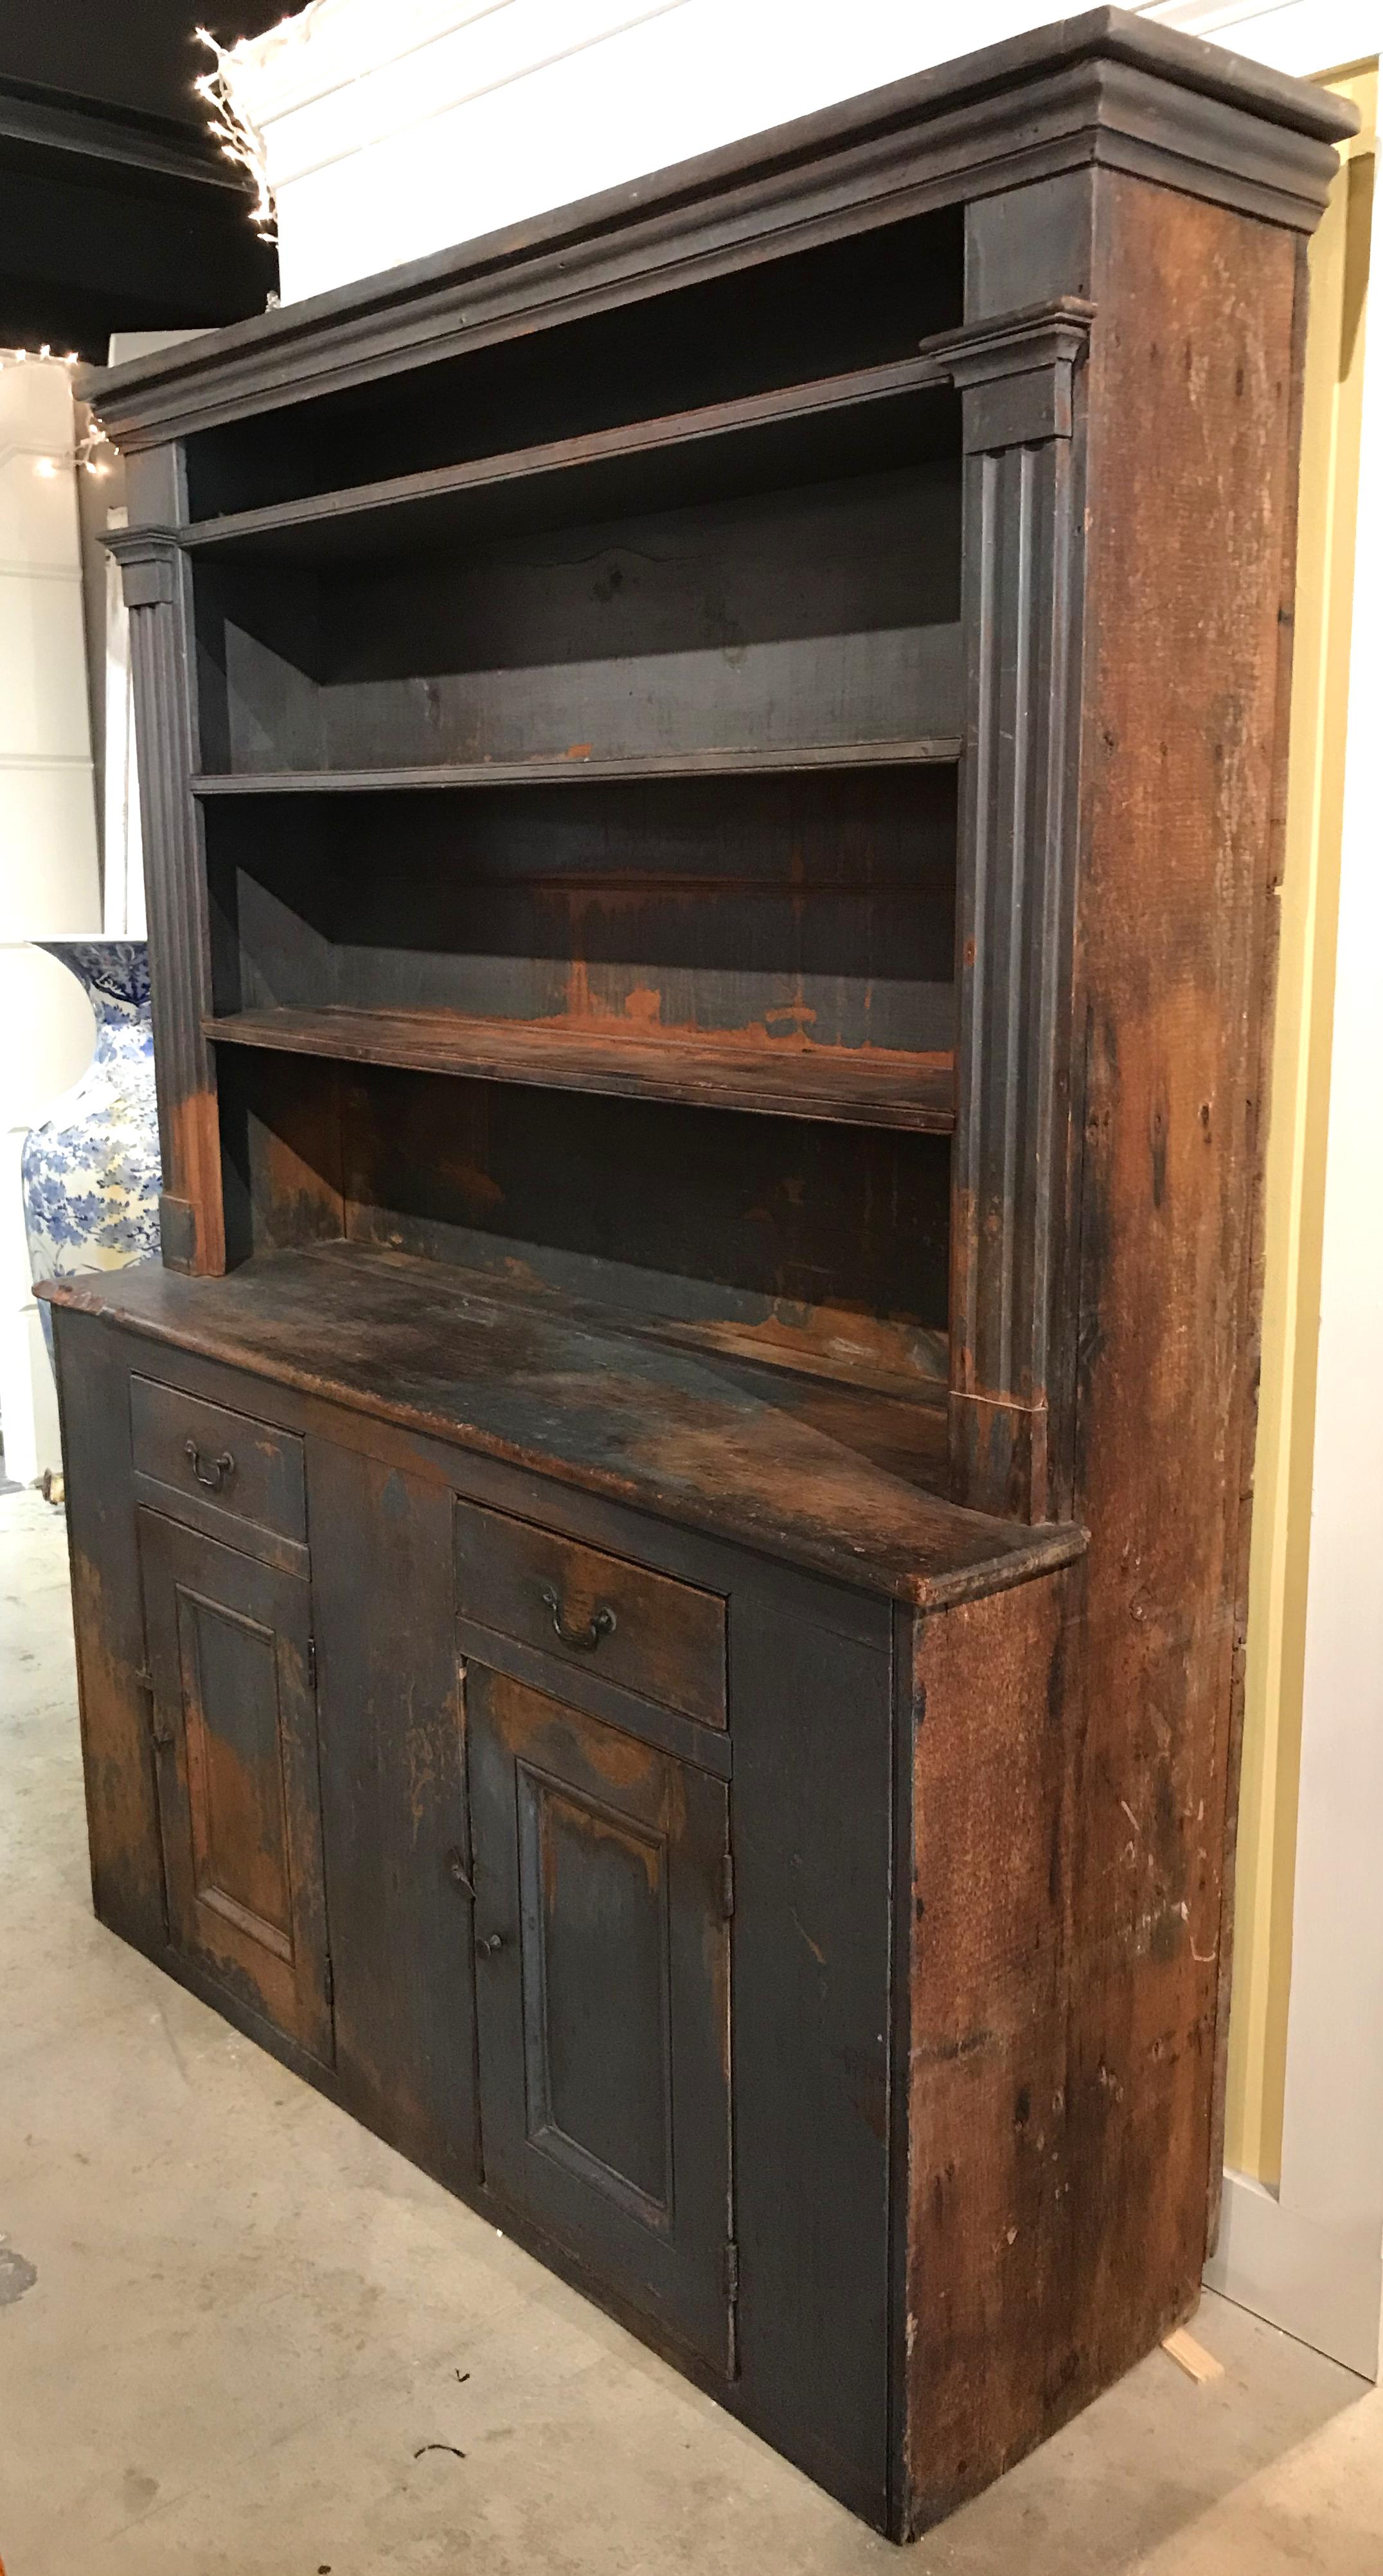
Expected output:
{"points": [[245, 1468], [662, 1639]]}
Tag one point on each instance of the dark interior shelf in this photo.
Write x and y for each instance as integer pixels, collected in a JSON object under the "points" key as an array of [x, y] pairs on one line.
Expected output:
{"points": [[864, 1086], [864, 421], [578, 763]]}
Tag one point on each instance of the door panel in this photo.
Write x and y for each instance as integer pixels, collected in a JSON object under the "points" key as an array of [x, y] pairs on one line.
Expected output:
{"points": [[228, 1666], [593, 1902], [235, 1727], [603, 2000]]}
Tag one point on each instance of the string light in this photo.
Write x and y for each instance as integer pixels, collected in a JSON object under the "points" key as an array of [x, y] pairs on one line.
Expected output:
{"points": [[69, 358], [83, 456], [240, 141]]}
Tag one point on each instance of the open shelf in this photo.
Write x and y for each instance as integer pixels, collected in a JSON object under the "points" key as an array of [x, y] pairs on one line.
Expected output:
{"points": [[580, 762], [832, 309], [862, 1087], [867, 421]]}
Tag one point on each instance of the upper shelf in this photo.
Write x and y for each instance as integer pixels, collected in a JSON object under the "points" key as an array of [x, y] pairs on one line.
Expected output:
{"points": [[869, 421], [579, 762], [856, 1086]]}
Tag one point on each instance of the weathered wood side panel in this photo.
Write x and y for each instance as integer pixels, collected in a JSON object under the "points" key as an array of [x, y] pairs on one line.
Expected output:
{"points": [[1114, 1868], [1259, 1110], [121, 1798], [1181, 830], [993, 2211]]}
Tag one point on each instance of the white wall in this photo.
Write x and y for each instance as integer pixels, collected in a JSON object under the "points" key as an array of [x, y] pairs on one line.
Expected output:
{"points": [[391, 133], [48, 867]]}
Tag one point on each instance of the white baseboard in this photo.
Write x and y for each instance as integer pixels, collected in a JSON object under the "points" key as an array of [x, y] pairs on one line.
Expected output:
{"points": [[1322, 2284]]}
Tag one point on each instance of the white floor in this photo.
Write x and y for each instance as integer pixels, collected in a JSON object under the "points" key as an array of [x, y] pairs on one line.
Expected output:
{"points": [[233, 2327]]}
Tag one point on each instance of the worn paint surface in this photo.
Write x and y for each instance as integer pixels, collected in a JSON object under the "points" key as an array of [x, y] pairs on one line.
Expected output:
{"points": [[745, 1455], [1182, 824], [599, 1612], [999, 2210], [1075, 2010]]}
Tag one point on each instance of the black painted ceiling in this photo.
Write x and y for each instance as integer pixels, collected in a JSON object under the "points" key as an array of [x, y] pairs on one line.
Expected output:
{"points": [[117, 212], [125, 53]]}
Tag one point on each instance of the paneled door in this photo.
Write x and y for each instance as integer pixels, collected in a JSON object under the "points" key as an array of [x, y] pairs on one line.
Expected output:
{"points": [[235, 1733], [603, 2001]]}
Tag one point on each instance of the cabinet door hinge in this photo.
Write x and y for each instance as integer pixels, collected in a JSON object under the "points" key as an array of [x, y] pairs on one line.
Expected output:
{"points": [[328, 1981], [312, 1664], [732, 2271], [727, 1887]]}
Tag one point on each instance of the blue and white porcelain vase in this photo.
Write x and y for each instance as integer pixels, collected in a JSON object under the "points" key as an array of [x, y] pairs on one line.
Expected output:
{"points": [[91, 1169]]}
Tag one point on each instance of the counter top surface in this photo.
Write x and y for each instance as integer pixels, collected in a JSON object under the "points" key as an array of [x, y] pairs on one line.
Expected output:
{"points": [[840, 1480]]}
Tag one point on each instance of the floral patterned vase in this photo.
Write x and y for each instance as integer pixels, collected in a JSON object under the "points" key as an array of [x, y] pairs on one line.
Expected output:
{"points": [[91, 1168]]}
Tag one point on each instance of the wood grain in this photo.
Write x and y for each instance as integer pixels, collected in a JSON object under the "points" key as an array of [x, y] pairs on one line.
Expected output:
{"points": [[593, 1612], [729, 1448], [1111, 1881], [117, 1754], [996, 2207], [1182, 844], [860, 1086]]}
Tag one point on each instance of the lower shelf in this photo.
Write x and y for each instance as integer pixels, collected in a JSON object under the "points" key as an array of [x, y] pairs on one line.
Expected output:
{"points": [[868, 1087]]}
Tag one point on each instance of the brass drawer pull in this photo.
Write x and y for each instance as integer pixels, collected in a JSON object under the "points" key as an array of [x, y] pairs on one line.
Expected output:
{"points": [[585, 1640], [214, 1476]]}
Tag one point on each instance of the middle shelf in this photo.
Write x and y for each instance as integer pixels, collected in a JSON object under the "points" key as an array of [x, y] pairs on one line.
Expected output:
{"points": [[581, 763], [855, 1086]]}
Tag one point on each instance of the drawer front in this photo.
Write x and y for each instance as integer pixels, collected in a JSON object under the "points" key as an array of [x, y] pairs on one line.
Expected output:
{"points": [[243, 1467], [597, 1613]]}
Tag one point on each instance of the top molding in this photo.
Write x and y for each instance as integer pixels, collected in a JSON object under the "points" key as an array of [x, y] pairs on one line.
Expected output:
{"points": [[1104, 88]]}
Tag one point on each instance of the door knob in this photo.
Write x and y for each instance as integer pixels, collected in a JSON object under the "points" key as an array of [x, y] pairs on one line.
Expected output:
{"points": [[487, 1943]]}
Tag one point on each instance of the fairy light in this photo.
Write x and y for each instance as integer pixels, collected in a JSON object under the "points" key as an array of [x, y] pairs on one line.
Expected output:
{"points": [[85, 456], [239, 139]]}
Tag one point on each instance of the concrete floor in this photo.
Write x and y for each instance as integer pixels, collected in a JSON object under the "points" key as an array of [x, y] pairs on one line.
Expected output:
{"points": [[231, 2323]]}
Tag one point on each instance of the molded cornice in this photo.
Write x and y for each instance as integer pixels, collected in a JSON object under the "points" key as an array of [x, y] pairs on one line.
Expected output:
{"points": [[1105, 88]]}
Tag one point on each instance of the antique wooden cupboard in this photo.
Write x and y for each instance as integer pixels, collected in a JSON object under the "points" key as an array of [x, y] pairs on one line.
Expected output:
{"points": [[660, 1572]]}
